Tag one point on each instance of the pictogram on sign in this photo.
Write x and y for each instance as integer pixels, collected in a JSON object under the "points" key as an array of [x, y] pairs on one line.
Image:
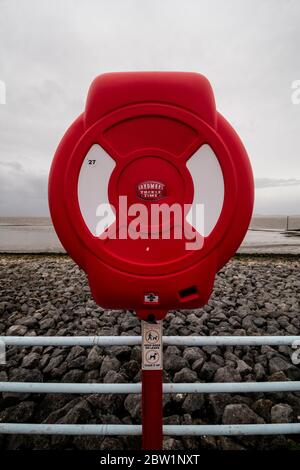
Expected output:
{"points": [[151, 345]]}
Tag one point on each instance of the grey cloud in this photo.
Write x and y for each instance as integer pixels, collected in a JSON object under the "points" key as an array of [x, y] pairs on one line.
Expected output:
{"points": [[23, 193], [51, 51], [11, 165]]}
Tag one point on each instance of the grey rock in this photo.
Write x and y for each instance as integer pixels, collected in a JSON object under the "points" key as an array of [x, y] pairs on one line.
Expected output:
{"points": [[217, 403], [227, 374], [3, 376], [174, 419], [211, 350], [281, 413], [106, 404], [113, 377], [292, 330], [259, 321], [130, 323], [3, 306], [53, 363], [132, 404], [47, 323], [136, 354], [73, 376], [171, 444], [50, 403], [109, 363], [208, 371], [78, 414], [78, 363], [185, 375], [25, 375], [277, 377], [172, 350], [174, 362], [247, 322], [59, 413], [197, 365], [260, 372], [20, 413], [193, 354], [243, 368], [17, 330], [75, 352], [226, 443], [193, 402], [217, 359], [262, 407], [44, 360], [121, 352], [111, 443], [30, 322], [130, 369], [89, 443], [209, 443], [31, 360], [94, 358], [280, 364], [240, 414], [92, 376]]}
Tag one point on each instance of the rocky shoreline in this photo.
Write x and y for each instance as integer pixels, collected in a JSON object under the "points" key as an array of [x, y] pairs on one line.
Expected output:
{"points": [[49, 295]]}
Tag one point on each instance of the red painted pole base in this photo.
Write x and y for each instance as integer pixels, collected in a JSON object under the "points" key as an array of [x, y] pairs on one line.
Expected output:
{"points": [[152, 409]]}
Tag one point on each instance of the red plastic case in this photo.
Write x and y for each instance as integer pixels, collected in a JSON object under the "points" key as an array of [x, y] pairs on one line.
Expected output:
{"points": [[151, 124]]}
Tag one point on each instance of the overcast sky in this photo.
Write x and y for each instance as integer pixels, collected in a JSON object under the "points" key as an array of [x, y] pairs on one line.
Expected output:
{"points": [[50, 51]]}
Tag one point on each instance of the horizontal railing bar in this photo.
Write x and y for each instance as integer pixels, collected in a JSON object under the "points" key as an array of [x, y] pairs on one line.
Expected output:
{"points": [[168, 430], [136, 340], [230, 340], [89, 388], [70, 340], [232, 387], [85, 388], [231, 429], [72, 429]]}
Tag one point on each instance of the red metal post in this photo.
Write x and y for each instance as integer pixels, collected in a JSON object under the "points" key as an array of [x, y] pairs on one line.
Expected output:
{"points": [[152, 414], [152, 378]]}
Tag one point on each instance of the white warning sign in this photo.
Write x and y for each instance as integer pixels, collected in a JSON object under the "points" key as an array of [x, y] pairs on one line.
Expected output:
{"points": [[151, 345]]}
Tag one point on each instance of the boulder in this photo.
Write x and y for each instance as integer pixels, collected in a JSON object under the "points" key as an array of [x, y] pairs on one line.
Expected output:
{"points": [[185, 375], [174, 363], [227, 374], [240, 414], [132, 404], [17, 330], [31, 361], [282, 413], [109, 363], [94, 358], [194, 402]]}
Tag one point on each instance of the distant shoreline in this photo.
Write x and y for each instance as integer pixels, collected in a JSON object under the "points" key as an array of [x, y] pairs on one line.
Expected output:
{"points": [[268, 235], [258, 222]]}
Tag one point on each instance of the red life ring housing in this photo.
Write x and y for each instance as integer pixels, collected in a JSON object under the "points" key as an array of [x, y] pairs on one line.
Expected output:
{"points": [[150, 138]]}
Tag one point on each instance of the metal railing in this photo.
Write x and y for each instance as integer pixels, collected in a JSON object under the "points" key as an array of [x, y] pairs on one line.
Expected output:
{"points": [[112, 429]]}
